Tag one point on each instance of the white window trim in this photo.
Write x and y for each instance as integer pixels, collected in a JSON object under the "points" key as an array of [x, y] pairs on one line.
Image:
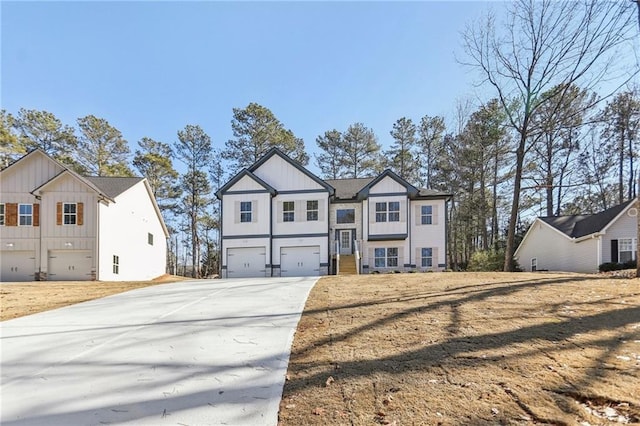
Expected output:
{"points": [[393, 212], [631, 248], [316, 210], [423, 257], [386, 257], [74, 215], [286, 213], [426, 218], [246, 212], [30, 215]]}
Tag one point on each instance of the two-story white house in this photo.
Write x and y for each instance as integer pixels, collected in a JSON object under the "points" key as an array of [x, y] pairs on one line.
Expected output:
{"points": [[279, 219], [57, 225]]}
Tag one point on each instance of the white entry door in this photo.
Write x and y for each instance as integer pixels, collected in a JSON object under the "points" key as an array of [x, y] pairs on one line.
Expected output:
{"points": [[69, 265], [345, 241], [246, 262], [17, 266], [300, 261]]}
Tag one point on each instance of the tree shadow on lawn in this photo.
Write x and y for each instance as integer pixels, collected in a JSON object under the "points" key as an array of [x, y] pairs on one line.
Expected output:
{"points": [[548, 338]]}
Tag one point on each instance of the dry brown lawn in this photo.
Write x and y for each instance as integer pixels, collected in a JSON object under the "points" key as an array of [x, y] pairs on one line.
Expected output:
{"points": [[20, 299], [466, 349]]}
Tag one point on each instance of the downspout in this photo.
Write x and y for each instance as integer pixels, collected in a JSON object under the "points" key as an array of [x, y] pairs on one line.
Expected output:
{"points": [[98, 240], [271, 236], [446, 231], [39, 198], [409, 206]]}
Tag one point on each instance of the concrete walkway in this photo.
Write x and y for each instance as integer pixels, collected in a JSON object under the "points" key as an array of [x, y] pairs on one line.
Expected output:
{"points": [[190, 353]]}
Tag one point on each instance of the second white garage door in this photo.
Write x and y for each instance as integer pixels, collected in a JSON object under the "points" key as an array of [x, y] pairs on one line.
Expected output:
{"points": [[70, 265], [300, 261], [246, 262]]}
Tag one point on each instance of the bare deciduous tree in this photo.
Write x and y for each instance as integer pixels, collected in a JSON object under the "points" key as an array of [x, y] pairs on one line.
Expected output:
{"points": [[541, 45]]}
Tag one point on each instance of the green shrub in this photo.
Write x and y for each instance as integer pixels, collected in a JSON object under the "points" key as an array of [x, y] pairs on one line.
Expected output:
{"points": [[488, 261], [613, 266]]}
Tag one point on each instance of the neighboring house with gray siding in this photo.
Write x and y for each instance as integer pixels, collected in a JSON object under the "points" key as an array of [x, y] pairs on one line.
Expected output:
{"points": [[279, 219], [580, 243]]}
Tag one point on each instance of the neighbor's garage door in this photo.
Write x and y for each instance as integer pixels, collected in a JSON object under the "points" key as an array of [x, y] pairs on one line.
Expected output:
{"points": [[246, 262], [300, 261], [17, 266], [69, 265]]}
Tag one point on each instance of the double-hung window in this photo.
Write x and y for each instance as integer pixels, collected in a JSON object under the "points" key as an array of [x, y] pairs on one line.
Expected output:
{"points": [[116, 264], [388, 211], [69, 213], [25, 214], [426, 215], [626, 250], [312, 210], [386, 257], [427, 257], [288, 211], [245, 211], [1, 214]]}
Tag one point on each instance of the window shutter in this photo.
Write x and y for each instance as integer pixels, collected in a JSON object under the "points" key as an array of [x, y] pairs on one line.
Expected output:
{"points": [[11, 214], [614, 251], [254, 211], [436, 261], [80, 213], [299, 211], [279, 212], [418, 215], [36, 215], [320, 210], [434, 210], [403, 211], [418, 258], [236, 212], [58, 213]]}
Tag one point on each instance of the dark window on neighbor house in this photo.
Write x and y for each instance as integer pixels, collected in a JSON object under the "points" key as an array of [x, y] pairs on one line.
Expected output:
{"points": [[1, 214], [69, 213], [346, 216], [426, 215], [626, 250], [288, 211], [245, 211], [386, 257], [534, 264], [25, 214], [116, 264], [312, 210], [150, 238], [427, 257]]}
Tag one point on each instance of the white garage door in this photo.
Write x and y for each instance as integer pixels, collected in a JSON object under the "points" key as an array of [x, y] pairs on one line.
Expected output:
{"points": [[246, 262], [17, 266], [69, 265], [300, 261]]}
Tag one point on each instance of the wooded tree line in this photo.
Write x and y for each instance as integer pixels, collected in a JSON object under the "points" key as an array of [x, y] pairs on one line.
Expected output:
{"points": [[547, 143]]}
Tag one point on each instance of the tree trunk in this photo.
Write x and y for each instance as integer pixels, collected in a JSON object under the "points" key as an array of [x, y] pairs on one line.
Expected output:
{"points": [[513, 217]]}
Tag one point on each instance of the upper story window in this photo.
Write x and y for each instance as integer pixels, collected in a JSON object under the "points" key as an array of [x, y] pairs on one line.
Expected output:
{"points": [[245, 211], [149, 238], [25, 214], [1, 214], [69, 213], [288, 211], [426, 215], [388, 211], [345, 216], [312, 210]]}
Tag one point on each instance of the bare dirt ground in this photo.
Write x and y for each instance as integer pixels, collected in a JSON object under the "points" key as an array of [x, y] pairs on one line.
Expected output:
{"points": [[20, 299], [467, 349]]}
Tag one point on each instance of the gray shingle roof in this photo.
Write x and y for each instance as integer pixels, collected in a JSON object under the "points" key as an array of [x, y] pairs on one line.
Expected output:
{"points": [[578, 226], [348, 188], [113, 186]]}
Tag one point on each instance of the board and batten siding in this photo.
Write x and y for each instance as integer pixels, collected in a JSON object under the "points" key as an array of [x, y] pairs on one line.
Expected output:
{"points": [[259, 224], [300, 225], [555, 252], [30, 173], [387, 185], [283, 176], [387, 227], [124, 228]]}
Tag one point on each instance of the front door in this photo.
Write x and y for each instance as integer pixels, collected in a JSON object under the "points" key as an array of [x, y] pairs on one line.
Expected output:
{"points": [[345, 241]]}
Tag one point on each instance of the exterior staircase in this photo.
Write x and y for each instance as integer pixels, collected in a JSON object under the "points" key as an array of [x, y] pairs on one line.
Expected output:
{"points": [[347, 265]]}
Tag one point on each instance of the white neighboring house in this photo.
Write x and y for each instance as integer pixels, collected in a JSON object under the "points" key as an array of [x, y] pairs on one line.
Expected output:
{"points": [[57, 225], [580, 243], [279, 219]]}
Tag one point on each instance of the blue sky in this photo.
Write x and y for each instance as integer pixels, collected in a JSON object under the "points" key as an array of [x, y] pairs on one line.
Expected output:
{"points": [[150, 68]]}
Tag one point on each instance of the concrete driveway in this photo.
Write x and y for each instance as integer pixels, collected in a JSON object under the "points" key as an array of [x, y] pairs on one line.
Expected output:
{"points": [[189, 353]]}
